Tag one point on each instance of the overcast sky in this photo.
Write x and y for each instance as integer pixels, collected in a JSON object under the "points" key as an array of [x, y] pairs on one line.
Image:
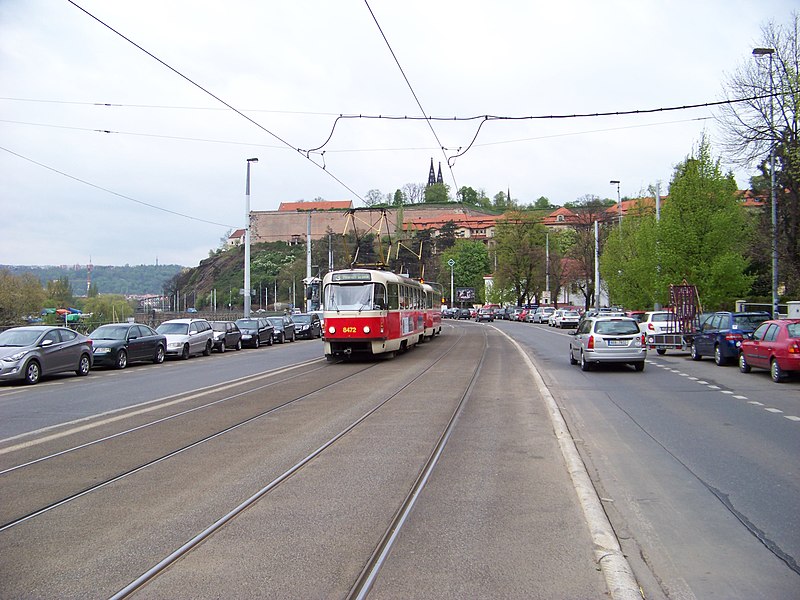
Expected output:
{"points": [[72, 193]]}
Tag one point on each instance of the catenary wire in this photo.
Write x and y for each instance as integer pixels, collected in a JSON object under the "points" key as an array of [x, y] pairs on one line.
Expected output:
{"points": [[83, 181], [413, 93], [217, 98]]}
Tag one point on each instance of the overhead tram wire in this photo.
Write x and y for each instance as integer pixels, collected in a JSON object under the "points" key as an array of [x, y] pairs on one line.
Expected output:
{"points": [[413, 93], [217, 98], [83, 181]]}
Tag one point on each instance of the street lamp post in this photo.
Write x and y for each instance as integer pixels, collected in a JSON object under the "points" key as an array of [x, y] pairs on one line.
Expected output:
{"points": [[619, 202], [247, 241], [452, 263], [769, 52]]}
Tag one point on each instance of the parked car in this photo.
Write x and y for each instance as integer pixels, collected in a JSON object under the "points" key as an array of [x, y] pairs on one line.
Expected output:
{"points": [[774, 345], [566, 318], [655, 321], [607, 340], [464, 313], [31, 352], [284, 328], [307, 325], [226, 335], [485, 314], [543, 313], [118, 344], [722, 333], [186, 337], [256, 331]]}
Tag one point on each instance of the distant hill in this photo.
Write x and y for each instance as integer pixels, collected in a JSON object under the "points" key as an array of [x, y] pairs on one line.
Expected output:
{"points": [[139, 279]]}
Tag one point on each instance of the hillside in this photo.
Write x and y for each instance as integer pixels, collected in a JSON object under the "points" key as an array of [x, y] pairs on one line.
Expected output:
{"points": [[130, 280]]}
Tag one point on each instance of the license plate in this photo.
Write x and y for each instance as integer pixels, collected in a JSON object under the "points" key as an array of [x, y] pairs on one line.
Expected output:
{"points": [[617, 342]]}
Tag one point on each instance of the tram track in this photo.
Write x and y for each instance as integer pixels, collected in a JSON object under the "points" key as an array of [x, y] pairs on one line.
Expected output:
{"points": [[415, 377], [367, 576]]}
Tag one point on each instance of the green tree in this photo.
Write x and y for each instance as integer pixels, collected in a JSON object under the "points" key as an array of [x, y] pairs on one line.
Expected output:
{"points": [[438, 193], [471, 264], [468, 195], [629, 264], [521, 259], [398, 198], [59, 292], [700, 231], [109, 308], [541, 202], [20, 296]]}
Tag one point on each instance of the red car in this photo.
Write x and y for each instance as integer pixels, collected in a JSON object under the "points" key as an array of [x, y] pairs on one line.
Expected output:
{"points": [[774, 345]]}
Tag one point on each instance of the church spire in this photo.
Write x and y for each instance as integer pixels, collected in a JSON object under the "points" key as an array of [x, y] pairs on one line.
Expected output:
{"points": [[431, 175], [439, 176]]}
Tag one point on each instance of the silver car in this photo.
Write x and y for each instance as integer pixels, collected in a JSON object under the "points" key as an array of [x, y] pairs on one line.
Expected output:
{"points": [[186, 337], [28, 353], [602, 339]]}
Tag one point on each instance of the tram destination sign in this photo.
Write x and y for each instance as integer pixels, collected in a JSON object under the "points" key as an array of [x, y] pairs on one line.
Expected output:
{"points": [[350, 277]]}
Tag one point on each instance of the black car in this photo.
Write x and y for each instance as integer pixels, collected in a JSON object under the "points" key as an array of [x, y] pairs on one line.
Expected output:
{"points": [[255, 331], [117, 344], [226, 335], [464, 313], [284, 328], [307, 325]]}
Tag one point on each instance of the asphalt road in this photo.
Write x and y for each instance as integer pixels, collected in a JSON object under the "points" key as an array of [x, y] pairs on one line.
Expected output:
{"points": [[698, 466]]}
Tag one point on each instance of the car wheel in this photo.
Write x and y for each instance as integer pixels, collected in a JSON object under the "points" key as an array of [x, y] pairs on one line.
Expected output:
{"points": [[159, 357], [661, 351], [33, 372], [743, 366], [280, 338], [84, 364], [207, 351], [238, 344], [294, 336], [775, 371], [257, 343], [269, 340], [694, 353], [585, 364], [222, 347], [122, 360], [639, 365], [718, 358], [185, 352], [572, 359]]}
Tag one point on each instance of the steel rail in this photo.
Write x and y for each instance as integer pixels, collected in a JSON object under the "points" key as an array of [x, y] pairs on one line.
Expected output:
{"points": [[169, 455], [366, 579], [165, 563]]}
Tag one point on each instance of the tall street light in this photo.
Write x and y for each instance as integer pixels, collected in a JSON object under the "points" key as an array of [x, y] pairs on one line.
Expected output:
{"points": [[619, 202], [769, 52], [247, 241]]}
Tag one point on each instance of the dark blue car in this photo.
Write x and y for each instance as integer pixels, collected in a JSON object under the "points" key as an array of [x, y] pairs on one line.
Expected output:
{"points": [[721, 334]]}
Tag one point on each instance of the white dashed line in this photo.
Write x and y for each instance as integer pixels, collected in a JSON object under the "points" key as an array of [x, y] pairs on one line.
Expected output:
{"points": [[741, 397], [773, 410], [753, 402], [692, 378], [791, 417], [701, 382], [713, 387], [727, 392]]}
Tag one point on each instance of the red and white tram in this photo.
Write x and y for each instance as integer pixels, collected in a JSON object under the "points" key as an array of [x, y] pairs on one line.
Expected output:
{"points": [[371, 312], [433, 311]]}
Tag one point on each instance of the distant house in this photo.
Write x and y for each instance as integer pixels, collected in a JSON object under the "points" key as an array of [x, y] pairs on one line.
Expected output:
{"points": [[236, 238]]}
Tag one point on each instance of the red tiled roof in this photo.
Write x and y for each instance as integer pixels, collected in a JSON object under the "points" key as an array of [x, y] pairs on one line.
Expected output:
{"points": [[319, 205], [236, 234]]}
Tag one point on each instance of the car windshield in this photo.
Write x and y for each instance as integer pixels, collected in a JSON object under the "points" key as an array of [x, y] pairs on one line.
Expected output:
{"points": [[19, 337], [748, 321], [660, 317], [109, 332], [348, 297], [173, 328], [570, 313], [301, 318], [247, 323], [793, 329], [217, 326], [621, 327], [276, 321]]}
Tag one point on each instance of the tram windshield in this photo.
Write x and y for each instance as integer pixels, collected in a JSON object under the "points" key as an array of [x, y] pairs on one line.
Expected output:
{"points": [[362, 296]]}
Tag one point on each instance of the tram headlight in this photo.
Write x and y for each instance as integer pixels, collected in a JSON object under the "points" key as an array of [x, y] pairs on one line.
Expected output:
{"points": [[366, 329], [331, 329]]}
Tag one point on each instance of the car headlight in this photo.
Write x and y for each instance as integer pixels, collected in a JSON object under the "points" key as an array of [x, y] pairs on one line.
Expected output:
{"points": [[15, 357], [174, 344], [99, 350]]}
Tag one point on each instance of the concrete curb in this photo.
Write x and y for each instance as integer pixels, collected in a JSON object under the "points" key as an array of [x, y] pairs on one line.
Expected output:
{"points": [[621, 582]]}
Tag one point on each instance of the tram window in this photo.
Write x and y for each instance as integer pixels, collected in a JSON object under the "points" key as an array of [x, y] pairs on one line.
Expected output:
{"points": [[379, 300], [394, 297]]}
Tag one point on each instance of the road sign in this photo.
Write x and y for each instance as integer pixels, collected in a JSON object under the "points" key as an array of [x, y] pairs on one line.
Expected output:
{"points": [[451, 262]]}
